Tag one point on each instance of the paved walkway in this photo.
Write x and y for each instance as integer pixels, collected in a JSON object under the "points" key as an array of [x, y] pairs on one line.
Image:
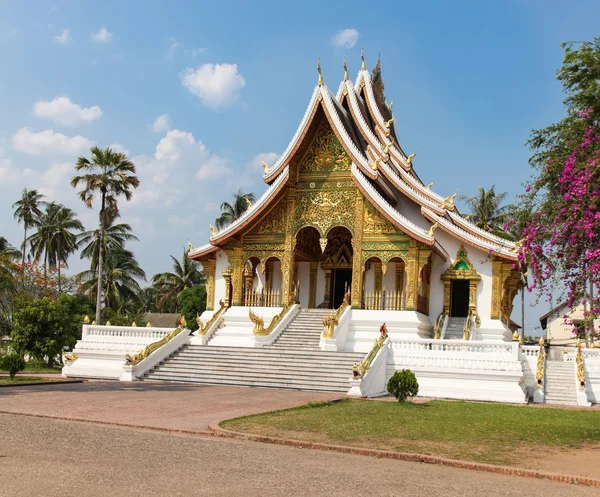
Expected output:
{"points": [[53, 457], [149, 404]]}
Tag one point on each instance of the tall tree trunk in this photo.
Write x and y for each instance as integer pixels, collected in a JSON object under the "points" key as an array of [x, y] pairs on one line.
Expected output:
{"points": [[58, 263], [45, 266], [100, 254], [24, 246], [523, 313]]}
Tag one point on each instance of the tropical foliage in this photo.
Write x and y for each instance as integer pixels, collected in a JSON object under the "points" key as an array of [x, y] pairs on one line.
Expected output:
{"points": [[232, 212], [109, 175], [27, 211], [563, 236], [186, 273], [487, 211]]}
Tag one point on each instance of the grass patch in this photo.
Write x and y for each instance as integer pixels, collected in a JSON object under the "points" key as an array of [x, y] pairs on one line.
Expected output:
{"points": [[5, 380], [40, 367], [491, 433]]}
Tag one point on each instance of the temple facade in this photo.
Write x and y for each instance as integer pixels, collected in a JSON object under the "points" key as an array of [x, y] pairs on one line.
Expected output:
{"points": [[345, 211]]}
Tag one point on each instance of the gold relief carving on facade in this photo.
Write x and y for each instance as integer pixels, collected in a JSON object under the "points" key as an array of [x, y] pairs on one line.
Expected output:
{"points": [[272, 223], [325, 209], [357, 263], [326, 185], [209, 268], [326, 154], [375, 223]]}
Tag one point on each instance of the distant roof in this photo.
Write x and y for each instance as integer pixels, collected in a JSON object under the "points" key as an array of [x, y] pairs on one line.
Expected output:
{"points": [[559, 307], [162, 319]]}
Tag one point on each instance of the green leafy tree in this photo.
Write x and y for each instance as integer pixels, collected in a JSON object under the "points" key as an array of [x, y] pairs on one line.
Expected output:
{"points": [[109, 175], [403, 384], [186, 273], [43, 328], [191, 302], [7, 251], [27, 211], [232, 212], [12, 363]]}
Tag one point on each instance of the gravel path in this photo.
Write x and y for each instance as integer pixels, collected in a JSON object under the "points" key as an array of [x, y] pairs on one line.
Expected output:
{"points": [[53, 457]]}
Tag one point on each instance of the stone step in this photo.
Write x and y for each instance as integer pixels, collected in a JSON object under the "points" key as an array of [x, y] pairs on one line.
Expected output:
{"points": [[263, 360], [259, 373]]}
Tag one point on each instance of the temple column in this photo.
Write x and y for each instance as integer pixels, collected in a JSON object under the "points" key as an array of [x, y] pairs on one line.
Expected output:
{"points": [[496, 288], [357, 263], [237, 277], [209, 267], [377, 285], [327, 297], [269, 275], [423, 281], [412, 272], [312, 285], [227, 276], [447, 284], [287, 273], [473, 297], [248, 280]]}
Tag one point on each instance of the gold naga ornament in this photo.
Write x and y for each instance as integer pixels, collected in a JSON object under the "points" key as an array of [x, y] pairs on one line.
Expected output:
{"points": [[320, 82], [248, 203], [265, 167], [430, 185], [388, 123], [362, 58], [213, 231], [345, 70], [190, 246], [410, 158], [432, 229], [86, 319], [131, 360]]}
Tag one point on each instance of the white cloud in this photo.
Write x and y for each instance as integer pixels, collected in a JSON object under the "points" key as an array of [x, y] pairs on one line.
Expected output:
{"points": [[55, 178], [253, 169], [63, 111], [211, 207], [102, 36], [194, 52], [173, 46], [346, 38], [217, 85], [49, 143], [64, 37], [117, 147], [215, 167], [161, 123]]}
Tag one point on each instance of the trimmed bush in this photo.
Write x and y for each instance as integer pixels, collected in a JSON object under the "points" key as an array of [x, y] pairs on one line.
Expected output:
{"points": [[403, 384], [13, 363]]}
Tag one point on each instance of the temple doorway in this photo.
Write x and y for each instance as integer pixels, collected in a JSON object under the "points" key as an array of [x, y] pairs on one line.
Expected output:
{"points": [[342, 280], [459, 303]]}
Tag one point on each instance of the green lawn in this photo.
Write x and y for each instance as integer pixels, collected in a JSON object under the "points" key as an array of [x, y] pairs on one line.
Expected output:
{"points": [[491, 433], [5, 380], [37, 367]]}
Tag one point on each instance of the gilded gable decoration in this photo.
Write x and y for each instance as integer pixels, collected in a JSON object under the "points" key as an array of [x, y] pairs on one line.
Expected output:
{"points": [[326, 153], [461, 269], [375, 222]]}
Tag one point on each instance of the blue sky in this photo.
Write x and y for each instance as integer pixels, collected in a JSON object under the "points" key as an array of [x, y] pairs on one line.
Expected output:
{"points": [[469, 80]]}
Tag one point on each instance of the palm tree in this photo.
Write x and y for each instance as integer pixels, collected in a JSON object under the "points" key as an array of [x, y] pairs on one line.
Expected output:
{"points": [[115, 235], [147, 300], [185, 275], [27, 210], [64, 241], [108, 174], [120, 274], [41, 240], [487, 211], [230, 213], [7, 251]]}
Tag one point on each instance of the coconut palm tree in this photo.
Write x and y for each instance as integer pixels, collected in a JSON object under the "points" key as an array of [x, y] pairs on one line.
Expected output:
{"points": [[109, 175], [121, 273], [487, 211], [115, 235], [27, 211], [7, 251], [186, 273], [64, 241], [232, 212], [41, 240]]}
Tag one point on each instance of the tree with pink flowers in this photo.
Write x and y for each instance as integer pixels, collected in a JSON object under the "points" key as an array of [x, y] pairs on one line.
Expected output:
{"points": [[562, 239]]}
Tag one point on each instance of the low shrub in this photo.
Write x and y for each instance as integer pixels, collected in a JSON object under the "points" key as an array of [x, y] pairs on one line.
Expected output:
{"points": [[12, 363], [403, 384]]}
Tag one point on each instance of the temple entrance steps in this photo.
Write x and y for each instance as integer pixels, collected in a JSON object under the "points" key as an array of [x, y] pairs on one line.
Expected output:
{"points": [[303, 332], [560, 383], [259, 367], [455, 329]]}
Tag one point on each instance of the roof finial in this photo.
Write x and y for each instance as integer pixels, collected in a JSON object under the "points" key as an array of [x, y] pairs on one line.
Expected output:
{"points": [[362, 58], [320, 73], [265, 166], [410, 158], [345, 70]]}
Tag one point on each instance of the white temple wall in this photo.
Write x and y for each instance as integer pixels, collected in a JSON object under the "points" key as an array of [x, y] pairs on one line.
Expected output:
{"points": [[369, 278], [277, 276], [304, 282], [320, 285], [481, 264], [412, 211], [222, 265], [388, 281]]}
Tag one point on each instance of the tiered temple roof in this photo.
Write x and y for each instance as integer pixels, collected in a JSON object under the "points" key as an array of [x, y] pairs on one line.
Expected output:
{"points": [[381, 170]]}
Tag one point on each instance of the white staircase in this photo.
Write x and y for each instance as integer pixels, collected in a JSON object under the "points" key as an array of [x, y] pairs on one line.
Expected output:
{"points": [[559, 382], [303, 333], [455, 329], [277, 367]]}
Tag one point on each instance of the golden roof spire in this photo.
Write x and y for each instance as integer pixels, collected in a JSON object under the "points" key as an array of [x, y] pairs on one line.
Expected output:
{"points": [[362, 58], [410, 158], [320, 73], [345, 70]]}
